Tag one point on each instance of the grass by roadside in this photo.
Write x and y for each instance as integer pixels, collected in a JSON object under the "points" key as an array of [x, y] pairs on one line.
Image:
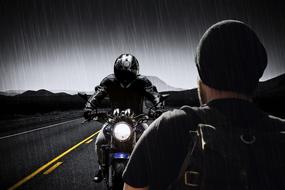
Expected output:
{"points": [[28, 122]]}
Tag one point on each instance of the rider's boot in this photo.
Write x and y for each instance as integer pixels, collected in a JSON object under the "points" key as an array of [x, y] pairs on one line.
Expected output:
{"points": [[99, 176]]}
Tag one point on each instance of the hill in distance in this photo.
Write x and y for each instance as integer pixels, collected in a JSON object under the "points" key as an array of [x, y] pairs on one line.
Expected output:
{"points": [[269, 97], [41, 92], [156, 81], [160, 84], [11, 92], [272, 87]]}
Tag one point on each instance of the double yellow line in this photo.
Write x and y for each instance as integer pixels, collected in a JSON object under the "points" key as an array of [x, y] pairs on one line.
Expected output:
{"points": [[29, 177]]}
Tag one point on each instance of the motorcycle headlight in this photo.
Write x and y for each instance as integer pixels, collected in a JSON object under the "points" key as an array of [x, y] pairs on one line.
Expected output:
{"points": [[122, 131]]}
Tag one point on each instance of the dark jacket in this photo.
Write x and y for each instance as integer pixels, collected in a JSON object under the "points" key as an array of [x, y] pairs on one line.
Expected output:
{"points": [[157, 158], [131, 96]]}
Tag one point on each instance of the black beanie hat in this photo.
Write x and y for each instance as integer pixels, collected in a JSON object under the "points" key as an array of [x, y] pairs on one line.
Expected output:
{"points": [[231, 57]]}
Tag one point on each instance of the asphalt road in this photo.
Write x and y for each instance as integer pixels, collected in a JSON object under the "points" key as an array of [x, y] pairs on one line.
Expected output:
{"points": [[56, 156]]}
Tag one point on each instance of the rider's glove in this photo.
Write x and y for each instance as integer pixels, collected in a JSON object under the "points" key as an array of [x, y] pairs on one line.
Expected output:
{"points": [[87, 114], [157, 113]]}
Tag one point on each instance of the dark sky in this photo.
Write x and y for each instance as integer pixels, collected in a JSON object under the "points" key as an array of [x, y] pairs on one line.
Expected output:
{"points": [[71, 45]]}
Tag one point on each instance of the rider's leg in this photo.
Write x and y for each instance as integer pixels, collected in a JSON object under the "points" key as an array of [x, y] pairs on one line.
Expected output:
{"points": [[100, 140]]}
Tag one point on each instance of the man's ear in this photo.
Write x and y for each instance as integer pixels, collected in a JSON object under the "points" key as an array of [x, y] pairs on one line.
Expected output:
{"points": [[202, 92]]}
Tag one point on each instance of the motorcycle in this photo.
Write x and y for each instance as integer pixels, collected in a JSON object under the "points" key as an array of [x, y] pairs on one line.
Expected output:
{"points": [[122, 129]]}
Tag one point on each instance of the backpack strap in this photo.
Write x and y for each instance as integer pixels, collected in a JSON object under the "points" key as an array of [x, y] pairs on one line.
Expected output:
{"points": [[194, 158], [191, 178]]}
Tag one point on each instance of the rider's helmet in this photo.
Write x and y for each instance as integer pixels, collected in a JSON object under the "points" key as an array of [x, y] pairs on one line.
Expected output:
{"points": [[126, 68]]}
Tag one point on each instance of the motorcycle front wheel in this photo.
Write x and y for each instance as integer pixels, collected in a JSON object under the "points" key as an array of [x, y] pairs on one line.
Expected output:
{"points": [[118, 169]]}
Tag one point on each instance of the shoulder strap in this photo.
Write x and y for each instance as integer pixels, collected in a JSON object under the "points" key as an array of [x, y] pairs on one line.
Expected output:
{"points": [[192, 112]]}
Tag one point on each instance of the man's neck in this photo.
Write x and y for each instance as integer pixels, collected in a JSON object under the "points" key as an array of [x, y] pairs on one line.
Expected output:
{"points": [[216, 94], [207, 94]]}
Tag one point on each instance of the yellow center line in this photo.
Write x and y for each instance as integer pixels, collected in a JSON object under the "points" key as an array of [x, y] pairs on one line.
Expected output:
{"points": [[29, 177], [89, 141], [52, 168]]}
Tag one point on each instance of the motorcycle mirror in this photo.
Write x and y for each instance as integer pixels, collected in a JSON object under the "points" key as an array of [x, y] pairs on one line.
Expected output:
{"points": [[83, 95]]}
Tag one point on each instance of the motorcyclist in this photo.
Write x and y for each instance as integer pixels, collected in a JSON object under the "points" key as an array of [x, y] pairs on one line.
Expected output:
{"points": [[126, 88]]}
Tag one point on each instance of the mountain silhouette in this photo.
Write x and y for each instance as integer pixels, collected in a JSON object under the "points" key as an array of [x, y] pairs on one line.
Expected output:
{"points": [[11, 92], [161, 85], [41, 92], [274, 87], [183, 97], [269, 97]]}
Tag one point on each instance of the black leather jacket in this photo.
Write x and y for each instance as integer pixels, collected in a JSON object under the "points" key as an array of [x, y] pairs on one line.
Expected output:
{"points": [[131, 96]]}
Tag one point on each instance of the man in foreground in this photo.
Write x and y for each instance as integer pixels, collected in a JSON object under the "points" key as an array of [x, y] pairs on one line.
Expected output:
{"points": [[235, 145]]}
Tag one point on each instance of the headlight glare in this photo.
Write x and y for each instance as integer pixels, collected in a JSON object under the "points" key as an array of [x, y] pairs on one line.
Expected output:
{"points": [[122, 131]]}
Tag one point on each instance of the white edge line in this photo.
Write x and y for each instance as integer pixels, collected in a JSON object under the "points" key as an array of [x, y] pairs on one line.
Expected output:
{"points": [[38, 129]]}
